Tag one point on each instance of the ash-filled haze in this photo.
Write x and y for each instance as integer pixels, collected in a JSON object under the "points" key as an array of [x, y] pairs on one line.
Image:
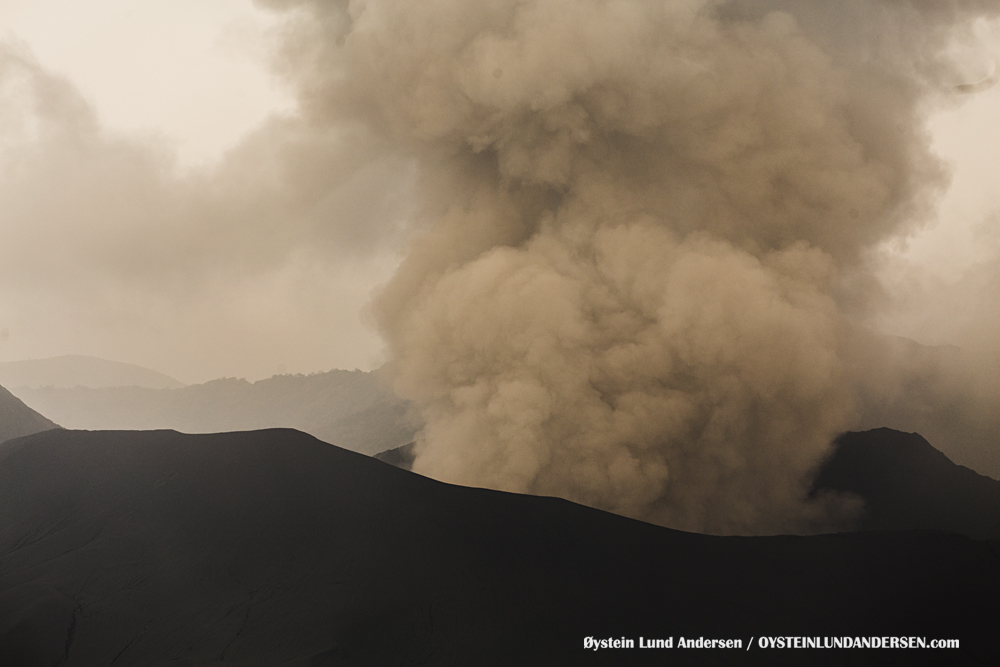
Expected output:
{"points": [[649, 231], [644, 244], [148, 217]]}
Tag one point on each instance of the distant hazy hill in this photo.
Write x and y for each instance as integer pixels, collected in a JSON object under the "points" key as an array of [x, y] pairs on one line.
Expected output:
{"points": [[75, 370], [270, 548], [17, 419], [352, 409]]}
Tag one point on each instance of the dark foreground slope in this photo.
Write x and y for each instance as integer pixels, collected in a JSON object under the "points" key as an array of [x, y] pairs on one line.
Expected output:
{"points": [[17, 419], [904, 481], [906, 484], [272, 548]]}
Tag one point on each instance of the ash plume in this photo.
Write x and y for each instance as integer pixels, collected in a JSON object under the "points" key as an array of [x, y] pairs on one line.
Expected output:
{"points": [[645, 234]]}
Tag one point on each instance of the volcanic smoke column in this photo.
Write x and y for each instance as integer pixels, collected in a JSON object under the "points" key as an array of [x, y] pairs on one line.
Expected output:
{"points": [[639, 219]]}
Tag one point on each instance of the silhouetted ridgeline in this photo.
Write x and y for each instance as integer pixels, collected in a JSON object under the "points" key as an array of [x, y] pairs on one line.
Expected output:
{"points": [[908, 484], [352, 409], [401, 457], [946, 394], [273, 548], [905, 483], [17, 419]]}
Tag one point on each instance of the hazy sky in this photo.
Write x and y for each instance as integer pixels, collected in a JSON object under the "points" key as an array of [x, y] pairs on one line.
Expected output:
{"points": [[193, 73], [126, 233]]}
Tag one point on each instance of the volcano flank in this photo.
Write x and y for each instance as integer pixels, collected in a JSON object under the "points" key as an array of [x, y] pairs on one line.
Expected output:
{"points": [[272, 547], [17, 419]]}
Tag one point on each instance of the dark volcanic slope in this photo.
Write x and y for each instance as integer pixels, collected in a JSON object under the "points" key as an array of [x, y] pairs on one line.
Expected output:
{"points": [[272, 548], [17, 419], [906, 483]]}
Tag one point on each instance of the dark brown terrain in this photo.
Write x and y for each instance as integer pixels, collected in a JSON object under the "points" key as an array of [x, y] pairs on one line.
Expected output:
{"points": [[908, 484], [273, 548], [17, 419]]}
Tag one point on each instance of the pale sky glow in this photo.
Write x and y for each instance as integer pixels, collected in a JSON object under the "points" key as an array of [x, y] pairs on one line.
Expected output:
{"points": [[940, 277], [967, 139], [192, 78], [192, 73], [188, 79]]}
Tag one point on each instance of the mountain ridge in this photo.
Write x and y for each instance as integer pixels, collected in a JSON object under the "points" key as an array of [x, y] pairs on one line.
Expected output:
{"points": [[352, 409], [271, 547], [891, 472], [906, 484], [17, 419]]}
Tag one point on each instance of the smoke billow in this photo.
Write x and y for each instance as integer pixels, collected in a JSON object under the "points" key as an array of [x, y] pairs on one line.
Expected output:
{"points": [[647, 226], [204, 273]]}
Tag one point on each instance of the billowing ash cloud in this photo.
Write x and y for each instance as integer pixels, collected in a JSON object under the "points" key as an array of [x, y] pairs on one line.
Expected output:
{"points": [[646, 227]]}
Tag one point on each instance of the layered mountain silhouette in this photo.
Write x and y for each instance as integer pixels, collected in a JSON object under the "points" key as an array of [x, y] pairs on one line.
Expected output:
{"points": [[352, 409], [75, 370], [17, 419], [273, 548]]}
